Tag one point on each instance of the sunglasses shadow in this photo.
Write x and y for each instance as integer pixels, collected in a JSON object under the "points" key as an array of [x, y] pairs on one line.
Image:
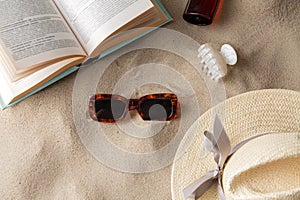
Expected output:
{"points": [[155, 134]]}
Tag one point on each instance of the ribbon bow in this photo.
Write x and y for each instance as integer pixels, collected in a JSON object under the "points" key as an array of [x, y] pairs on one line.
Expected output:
{"points": [[219, 144]]}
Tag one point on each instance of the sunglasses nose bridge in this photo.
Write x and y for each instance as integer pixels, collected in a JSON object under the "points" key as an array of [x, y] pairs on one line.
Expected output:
{"points": [[133, 103]]}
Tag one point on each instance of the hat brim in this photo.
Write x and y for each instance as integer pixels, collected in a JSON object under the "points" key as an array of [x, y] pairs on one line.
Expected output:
{"points": [[244, 116]]}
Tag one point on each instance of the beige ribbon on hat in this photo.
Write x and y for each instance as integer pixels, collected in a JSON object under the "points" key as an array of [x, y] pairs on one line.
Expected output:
{"points": [[219, 144]]}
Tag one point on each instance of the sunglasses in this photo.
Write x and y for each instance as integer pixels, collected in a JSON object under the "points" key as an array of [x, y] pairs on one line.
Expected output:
{"points": [[110, 108]]}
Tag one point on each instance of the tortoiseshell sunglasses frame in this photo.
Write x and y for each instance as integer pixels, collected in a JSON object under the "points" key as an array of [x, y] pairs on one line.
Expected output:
{"points": [[133, 104]]}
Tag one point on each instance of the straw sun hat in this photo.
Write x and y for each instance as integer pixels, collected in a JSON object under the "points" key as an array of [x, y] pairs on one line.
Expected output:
{"points": [[267, 166]]}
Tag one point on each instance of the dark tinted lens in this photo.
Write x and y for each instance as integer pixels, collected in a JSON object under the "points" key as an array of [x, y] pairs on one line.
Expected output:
{"points": [[109, 108], [156, 109]]}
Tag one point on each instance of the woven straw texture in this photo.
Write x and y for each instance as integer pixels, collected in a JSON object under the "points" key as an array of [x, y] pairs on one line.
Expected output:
{"points": [[265, 168], [244, 116]]}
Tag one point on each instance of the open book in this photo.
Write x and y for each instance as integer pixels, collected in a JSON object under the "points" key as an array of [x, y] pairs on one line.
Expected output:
{"points": [[41, 41]]}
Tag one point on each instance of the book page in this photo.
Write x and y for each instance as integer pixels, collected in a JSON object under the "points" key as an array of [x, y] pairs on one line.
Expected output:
{"points": [[32, 32], [94, 20], [9, 90]]}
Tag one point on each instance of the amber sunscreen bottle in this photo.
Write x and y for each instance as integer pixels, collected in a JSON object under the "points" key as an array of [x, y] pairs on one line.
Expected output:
{"points": [[200, 12]]}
